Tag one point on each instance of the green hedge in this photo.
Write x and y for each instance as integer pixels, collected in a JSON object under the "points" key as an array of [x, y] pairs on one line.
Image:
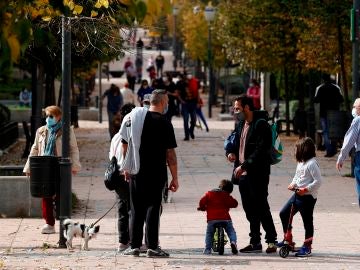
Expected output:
{"points": [[11, 90]]}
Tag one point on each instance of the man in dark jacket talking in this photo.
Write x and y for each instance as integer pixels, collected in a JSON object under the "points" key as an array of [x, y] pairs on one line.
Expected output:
{"points": [[251, 157]]}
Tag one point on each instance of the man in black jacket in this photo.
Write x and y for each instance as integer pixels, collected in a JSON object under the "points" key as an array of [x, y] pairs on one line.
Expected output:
{"points": [[329, 96], [251, 157]]}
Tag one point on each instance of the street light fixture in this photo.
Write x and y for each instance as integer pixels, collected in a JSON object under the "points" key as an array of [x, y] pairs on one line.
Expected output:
{"points": [[175, 13], [209, 13]]}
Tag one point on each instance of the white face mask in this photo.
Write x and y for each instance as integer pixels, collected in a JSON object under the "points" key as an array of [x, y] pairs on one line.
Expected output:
{"points": [[166, 109], [353, 112]]}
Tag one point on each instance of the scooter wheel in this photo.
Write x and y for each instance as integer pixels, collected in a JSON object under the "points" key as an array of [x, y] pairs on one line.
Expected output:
{"points": [[284, 252]]}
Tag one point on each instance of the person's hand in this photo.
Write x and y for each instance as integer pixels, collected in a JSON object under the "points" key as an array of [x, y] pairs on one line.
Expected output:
{"points": [[27, 174], [174, 185], [292, 187], [339, 166], [127, 176], [238, 172], [231, 157], [301, 191]]}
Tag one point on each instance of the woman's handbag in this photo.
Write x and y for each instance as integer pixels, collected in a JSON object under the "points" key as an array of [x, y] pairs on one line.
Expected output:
{"points": [[113, 178]]}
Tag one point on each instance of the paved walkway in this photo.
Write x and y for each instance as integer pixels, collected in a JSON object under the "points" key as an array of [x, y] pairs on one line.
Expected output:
{"points": [[201, 165]]}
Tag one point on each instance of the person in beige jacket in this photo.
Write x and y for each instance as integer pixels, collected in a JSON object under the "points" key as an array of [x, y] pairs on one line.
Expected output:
{"points": [[48, 142]]}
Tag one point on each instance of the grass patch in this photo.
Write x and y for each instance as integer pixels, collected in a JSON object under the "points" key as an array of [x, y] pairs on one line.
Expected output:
{"points": [[14, 107]]}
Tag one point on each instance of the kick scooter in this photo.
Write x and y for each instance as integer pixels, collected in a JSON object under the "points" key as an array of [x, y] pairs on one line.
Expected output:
{"points": [[289, 245]]}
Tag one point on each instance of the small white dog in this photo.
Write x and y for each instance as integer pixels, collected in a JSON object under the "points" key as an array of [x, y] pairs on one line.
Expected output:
{"points": [[73, 229]]}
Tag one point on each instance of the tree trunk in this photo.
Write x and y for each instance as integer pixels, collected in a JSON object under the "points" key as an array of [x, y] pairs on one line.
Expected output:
{"points": [[49, 88], [286, 78], [342, 65], [37, 78]]}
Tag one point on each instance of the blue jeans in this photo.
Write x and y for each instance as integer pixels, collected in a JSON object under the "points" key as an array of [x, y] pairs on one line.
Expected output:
{"points": [[210, 230], [357, 173], [330, 147], [303, 204], [188, 110], [202, 117]]}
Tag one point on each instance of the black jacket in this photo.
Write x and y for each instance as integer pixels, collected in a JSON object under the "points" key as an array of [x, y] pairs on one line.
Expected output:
{"points": [[257, 148], [329, 96]]}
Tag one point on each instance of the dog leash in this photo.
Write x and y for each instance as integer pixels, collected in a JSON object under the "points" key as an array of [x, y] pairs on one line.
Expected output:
{"points": [[93, 224]]}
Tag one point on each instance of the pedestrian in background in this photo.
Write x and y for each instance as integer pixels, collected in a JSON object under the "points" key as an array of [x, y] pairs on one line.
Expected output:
{"points": [[146, 169], [48, 142], [170, 88], [127, 94], [305, 184], [143, 90], [131, 74], [114, 103], [251, 157], [328, 94], [188, 89], [352, 139], [138, 65], [25, 97], [159, 61], [200, 114], [254, 92]]}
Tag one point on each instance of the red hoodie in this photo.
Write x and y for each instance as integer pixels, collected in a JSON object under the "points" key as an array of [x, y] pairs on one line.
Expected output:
{"points": [[217, 204]]}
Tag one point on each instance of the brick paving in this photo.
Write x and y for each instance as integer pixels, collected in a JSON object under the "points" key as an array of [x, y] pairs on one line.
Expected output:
{"points": [[201, 165]]}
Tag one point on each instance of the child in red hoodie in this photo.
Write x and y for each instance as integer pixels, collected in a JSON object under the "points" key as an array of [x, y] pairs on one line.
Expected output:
{"points": [[217, 203]]}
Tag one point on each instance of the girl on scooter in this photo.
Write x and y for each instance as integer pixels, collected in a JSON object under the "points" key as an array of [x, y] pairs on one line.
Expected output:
{"points": [[305, 183]]}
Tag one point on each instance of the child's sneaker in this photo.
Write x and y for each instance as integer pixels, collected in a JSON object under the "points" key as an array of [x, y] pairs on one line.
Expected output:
{"points": [[233, 248], [271, 248], [304, 251], [207, 251]]}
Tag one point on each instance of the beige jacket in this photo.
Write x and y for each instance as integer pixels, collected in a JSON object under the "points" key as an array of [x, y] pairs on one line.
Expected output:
{"points": [[38, 148]]}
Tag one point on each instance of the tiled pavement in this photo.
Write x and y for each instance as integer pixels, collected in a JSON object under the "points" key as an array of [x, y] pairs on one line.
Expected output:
{"points": [[201, 165]]}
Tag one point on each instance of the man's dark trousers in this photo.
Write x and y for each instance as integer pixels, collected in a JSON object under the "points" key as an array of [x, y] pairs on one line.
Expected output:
{"points": [[254, 192], [145, 206]]}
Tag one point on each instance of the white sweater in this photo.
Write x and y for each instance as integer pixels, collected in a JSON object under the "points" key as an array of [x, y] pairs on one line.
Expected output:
{"points": [[308, 176], [130, 131]]}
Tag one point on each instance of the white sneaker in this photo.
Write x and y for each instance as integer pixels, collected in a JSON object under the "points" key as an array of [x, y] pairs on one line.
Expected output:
{"points": [[48, 229]]}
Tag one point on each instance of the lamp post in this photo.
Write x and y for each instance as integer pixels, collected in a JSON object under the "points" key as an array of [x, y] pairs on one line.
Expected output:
{"points": [[175, 13], [65, 162], [209, 17]]}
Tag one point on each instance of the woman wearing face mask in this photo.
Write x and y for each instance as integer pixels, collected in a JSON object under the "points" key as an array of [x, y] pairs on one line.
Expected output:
{"points": [[143, 90], [48, 142]]}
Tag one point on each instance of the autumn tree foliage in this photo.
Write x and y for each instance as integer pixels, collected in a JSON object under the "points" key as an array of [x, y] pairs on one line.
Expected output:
{"points": [[31, 25]]}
